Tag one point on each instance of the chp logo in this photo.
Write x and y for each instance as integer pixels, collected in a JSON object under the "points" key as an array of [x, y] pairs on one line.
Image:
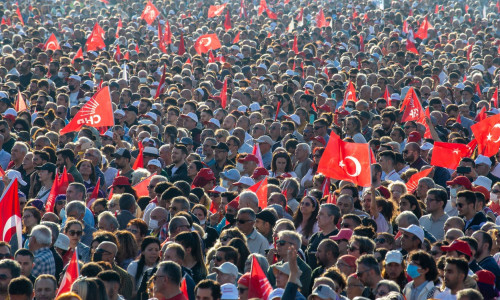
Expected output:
{"points": [[88, 114]]}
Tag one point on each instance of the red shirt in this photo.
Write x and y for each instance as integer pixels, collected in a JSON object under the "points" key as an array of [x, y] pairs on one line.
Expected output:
{"points": [[179, 296]]}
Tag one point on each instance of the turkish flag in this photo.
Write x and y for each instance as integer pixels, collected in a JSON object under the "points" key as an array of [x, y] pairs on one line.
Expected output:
{"points": [[51, 44], [61, 183], [237, 38], [141, 188], [95, 193], [211, 57], [206, 43], [260, 189], [223, 95], [448, 155], [161, 85], [256, 152], [295, 46], [410, 46], [412, 107], [79, 54], [95, 41], [71, 275], [422, 30], [494, 98], [118, 28], [20, 103], [487, 134], [271, 14], [320, 19], [139, 161], [326, 186], [411, 185], [96, 112], [258, 286], [118, 54], [182, 47], [227, 21], [216, 10], [387, 97], [150, 13], [481, 115], [161, 42], [262, 7], [350, 94], [300, 15], [10, 212], [346, 161]]}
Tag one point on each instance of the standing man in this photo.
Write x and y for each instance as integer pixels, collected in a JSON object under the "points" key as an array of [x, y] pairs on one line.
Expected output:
{"points": [[26, 259], [167, 281], [433, 222], [66, 158], [387, 160], [39, 243], [257, 243], [122, 160], [178, 169], [45, 287], [368, 271], [483, 254], [455, 273], [328, 216]]}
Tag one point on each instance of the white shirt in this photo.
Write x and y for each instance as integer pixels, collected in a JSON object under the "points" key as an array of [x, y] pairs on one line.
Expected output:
{"points": [[393, 176]]}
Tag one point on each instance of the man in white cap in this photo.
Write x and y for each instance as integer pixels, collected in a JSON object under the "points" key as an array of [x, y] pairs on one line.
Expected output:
{"points": [[226, 273], [74, 82], [483, 168], [323, 292], [229, 292], [412, 238]]}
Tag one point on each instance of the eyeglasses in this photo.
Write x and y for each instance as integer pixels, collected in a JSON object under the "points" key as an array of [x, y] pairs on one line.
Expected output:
{"points": [[282, 242], [5, 255], [243, 221], [307, 204], [75, 232]]}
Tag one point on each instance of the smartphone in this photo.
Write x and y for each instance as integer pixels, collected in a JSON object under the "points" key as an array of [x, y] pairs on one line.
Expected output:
{"points": [[463, 170]]}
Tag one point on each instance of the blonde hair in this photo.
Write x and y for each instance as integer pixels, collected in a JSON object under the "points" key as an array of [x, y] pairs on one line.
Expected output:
{"points": [[68, 296]]}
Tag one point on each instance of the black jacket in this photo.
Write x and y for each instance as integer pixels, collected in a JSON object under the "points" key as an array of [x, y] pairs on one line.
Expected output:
{"points": [[180, 174]]}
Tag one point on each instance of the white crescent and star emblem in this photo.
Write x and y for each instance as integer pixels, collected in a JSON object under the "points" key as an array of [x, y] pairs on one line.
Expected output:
{"points": [[51, 44], [356, 163], [490, 136], [207, 43]]}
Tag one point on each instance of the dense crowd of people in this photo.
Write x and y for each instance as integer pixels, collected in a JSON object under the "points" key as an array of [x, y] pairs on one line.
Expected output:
{"points": [[209, 184]]}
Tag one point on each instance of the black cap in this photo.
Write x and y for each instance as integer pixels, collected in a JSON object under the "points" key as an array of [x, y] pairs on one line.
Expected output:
{"points": [[6, 101], [122, 152], [132, 108], [267, 216], [47, 167], [222, 146]]}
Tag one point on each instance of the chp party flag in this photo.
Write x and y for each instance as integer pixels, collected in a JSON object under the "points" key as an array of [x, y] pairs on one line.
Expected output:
{"points": [[149, 13], [411, 185], [259, 286], [422, 30], [227, 21], [206, 43], [141, 187], [487, 134], [346, 161], [10, 212], [412, 107], [95, 41], [320, 19], [96, 112], [71, 275], [51, 43], [216, 10]]}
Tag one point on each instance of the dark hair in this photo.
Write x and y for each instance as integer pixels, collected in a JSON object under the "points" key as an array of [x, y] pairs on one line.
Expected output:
{"points": [[140, 224], [286, 156], [67, 153], [440, 195], [461, 264], [369, 261], [109, 276], [470, 197], [388, 154], [21, 286], [413, 202], [486, 238], [426, 261], [172, 270], [334, 274], [131, 249], [142, 260], [192, 240], [242, 252], [298, 217], [331, 246], [91, 269], [12, 265], [214, 286], [182, 148], [24, 252]]}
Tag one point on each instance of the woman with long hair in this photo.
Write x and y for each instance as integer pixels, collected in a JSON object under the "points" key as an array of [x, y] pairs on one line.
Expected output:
{"points": [[149, 259], [30, 218], [381, 212], [281, 164], [410, 202], [243, 252], [87, 171], [126, 255], [304, 218], [74, 230], [307, 180], [193, 168], [193, 259], [89, 289]]}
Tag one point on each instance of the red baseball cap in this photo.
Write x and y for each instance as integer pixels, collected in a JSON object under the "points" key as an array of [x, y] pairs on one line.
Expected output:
{"points": [[206, 174], [284, 175], [350, 260], [459, 246], [244, 279], [414, 136], [461, 180], [121, 180], [482, 190], [325, 107], [486, 277], [249, 157], [344, 234], [319, 139], [260, 171]]}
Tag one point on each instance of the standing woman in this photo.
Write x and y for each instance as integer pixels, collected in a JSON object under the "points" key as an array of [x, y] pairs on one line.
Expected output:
{"points": [[304, 218], [87, 171], [149, 258], [281, 164], [193, 259], [74, 230], [31, 217]]}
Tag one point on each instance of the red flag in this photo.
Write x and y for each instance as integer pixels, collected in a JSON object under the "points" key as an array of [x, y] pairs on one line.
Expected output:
{"points": [[71, 275], [20, 103], [387, 97], [466, 8], [271, 14], [354, 14], [422, 30], [79, 54], [326, 186], [260, 189], [243, 9], [411, 185], [423, 120], [139, 161], [300, 15], [212, 208], [51, 43], [2, 172], [350, 94], [54, 191], [494, 98], [118, 28], [95, 193], [95, 41], [469, 51], [161, 85], [487, 134], [498, 6], [161, 42], [211, 57], [184, 288], [346, 161], [227, 21], [410, 46], [320, 19], [262, 7], [223, 95], [256, 152], [96, 112], [118, 54], [436, 9], [448, 155], [126, 56], [237, 38], [412, 107], [481, 115], [216, 10], [141, 188], [361, 43], [259, 286], [150, 13], [188, 61], [478, 90], [278, 107], [19, 16], [167, 37], [459, 119], [295, 46], [10, 213], [419, 61], [182, 47]]}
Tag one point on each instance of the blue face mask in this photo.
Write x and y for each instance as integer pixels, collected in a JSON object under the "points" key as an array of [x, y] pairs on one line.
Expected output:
{"points": [[412, 271]]}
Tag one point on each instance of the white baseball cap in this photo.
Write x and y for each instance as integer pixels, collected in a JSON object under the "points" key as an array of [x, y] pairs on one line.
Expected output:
{"points": [[415, 230]]}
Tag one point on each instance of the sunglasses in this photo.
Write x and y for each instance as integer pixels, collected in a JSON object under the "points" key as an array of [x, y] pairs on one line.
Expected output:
{"points": [[243, 221], [75, 232], [380, 241], [6, 255], [281, 242], [242, 290]]}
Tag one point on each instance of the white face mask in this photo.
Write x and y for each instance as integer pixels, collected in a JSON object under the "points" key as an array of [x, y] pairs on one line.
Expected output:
{"points": [[202, 222], [142, 79], [60, 74], [153, 224], [453, 192], [493, 197], [153, 92]]}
